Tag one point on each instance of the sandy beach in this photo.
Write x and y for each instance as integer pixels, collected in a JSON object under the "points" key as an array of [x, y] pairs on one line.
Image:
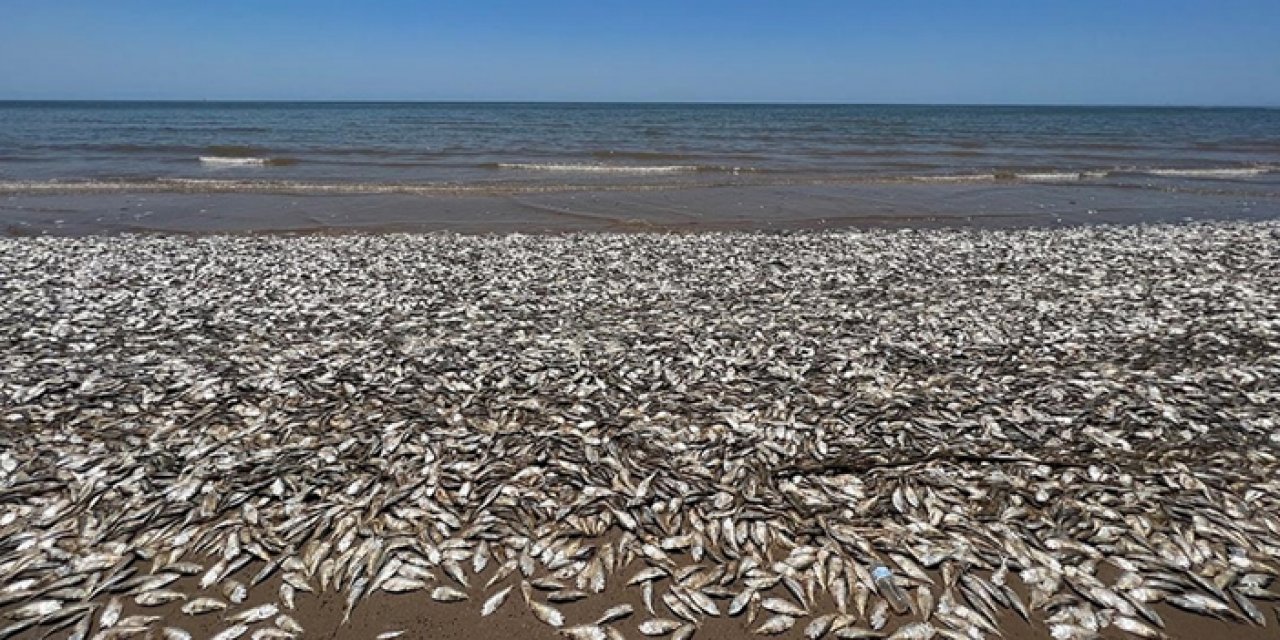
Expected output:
{"points": [[1066, 433]]}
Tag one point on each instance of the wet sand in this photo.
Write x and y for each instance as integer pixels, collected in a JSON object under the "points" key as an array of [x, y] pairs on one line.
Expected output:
{"points": [[419, 617], [742, 208]]}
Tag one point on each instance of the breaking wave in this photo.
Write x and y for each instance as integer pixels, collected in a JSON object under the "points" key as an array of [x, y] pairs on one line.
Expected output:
{"points": [[233, 161], [600, 168], [1241, 172]]}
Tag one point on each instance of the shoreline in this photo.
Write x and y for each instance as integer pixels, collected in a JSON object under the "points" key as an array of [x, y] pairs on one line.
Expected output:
{"points": [[692, 209], [1076, 422]]}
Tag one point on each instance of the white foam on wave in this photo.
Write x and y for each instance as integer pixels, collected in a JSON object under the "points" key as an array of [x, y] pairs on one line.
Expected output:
{"points": [[981, 177], [1241, 172], [596, 168], [224, 161], [1051, 176]]}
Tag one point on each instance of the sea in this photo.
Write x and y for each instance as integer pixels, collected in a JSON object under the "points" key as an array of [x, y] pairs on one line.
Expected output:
{"points": [[717, 165]]}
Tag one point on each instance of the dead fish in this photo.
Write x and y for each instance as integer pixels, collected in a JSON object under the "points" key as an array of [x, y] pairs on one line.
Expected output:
{"points": [[819, 626], [914, 631], [566, 595], [1201, 604], [288, 624], [158, 598], [493, 602], [685, 632], [858, 633], [546, 614], [659, 626], [37, 609], [138, 621], [924, 602], [584, 632], [203, 605], [615, 613], [1137, 628], [879, 614], [1250, 610], [256, 614], [402, 585], [231, 633], [447, 594], [111, 613], [775, 625], [740, 601], [780, 606], [270, 633], [235, 591]]}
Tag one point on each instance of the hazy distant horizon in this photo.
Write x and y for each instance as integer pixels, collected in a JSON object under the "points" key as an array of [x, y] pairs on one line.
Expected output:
{"points": [[730, 103], [916, 52]]}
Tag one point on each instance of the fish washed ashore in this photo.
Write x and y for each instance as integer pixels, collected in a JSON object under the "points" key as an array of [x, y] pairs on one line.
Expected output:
{"points": [[1069, 433]]}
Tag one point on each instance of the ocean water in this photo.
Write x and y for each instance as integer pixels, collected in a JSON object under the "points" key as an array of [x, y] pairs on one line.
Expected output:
{"points": [[870, 155], [435, 144]]}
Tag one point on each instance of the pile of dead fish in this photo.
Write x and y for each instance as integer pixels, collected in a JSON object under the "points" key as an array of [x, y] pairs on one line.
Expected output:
{"points": [[1078, 427]]}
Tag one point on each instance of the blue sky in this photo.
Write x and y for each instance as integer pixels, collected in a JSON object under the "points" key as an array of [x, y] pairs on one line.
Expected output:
{"points": [[923, 51]]}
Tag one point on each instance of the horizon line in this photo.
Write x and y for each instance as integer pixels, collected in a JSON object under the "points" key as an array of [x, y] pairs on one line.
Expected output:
{"points": [[642, 102]]}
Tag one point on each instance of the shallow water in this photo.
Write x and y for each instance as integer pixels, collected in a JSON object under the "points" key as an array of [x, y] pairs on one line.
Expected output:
{"points": [[862, 160], [577, 143]]}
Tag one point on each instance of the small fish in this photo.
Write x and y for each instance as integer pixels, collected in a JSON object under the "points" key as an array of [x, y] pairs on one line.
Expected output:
{"points": [[546, 614], [447, 594], [914, 631], [271, 633], [879, 614], [111, 613], [231, 633], [203, 605], [1137, 628], [213, 574], [80, 631], [353, 597], [775, 625], [173, 633], [566, 595], [138, 621], [1249, 608], [819, 626], [287, 623], [389, 635], [857, 633], [1201, 604], [235, 591], [403, 585], [615, 613], [495, 601], [584, 632], [454, 570], [647, 575], [739, 602], [256, 614], [782, 607], [35, 609], [924, 602], [685, 632], [158, 598], [659, 626]]}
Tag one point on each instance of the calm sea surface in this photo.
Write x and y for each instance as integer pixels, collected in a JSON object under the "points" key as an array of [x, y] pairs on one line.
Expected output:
{"points": [[550, 145], [86, 166]]}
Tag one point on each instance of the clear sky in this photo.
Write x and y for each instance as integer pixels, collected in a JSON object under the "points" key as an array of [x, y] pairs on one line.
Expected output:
{"points": [[910, 51]]}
